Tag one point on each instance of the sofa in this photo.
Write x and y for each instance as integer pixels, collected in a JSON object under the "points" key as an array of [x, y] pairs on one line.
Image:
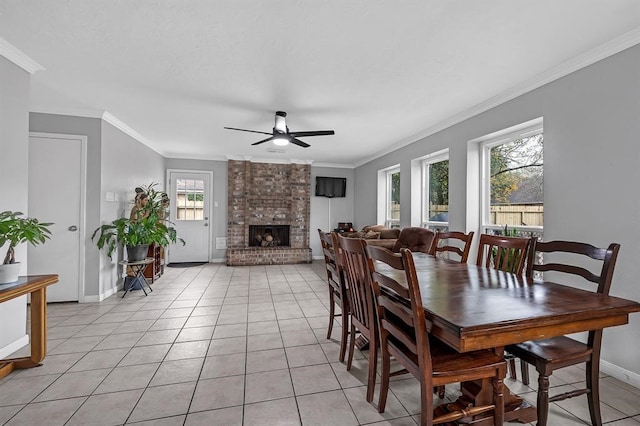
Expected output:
{"points": [[377, 235]]}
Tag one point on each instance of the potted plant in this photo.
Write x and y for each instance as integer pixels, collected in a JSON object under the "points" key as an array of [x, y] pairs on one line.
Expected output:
{"points": [[145, 226], [15, 229]]}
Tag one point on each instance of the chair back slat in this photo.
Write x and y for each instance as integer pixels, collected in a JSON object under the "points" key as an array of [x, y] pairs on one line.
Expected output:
{"points": [[400, 334], [442, 244], [607, 257], [506, 254], [352, 259]]}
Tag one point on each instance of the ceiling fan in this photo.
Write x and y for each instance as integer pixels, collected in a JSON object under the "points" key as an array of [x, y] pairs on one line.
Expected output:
{"points": [[281, 134]]}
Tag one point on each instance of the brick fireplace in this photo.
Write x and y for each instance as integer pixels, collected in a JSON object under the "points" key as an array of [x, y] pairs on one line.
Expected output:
{"points": [[264, 200]]}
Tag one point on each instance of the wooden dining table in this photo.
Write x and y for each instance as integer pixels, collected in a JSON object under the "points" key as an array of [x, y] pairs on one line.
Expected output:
{"points": [[471, 307]]}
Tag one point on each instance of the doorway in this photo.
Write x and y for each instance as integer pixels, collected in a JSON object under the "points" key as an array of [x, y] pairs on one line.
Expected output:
{"points": [[57, 176], [190, 213]]}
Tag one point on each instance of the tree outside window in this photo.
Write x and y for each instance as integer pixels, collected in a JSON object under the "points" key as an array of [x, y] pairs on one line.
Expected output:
{"points": [[516, 194]]}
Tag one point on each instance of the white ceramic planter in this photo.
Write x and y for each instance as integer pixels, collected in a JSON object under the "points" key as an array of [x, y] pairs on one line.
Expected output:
{"points": [[9, 273]]}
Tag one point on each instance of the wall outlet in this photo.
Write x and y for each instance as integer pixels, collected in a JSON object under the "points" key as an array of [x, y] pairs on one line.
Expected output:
{"points": [[221, 243]]}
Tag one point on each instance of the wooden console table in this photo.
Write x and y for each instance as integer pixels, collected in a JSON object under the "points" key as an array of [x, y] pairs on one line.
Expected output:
{"points": [[36, 285]]}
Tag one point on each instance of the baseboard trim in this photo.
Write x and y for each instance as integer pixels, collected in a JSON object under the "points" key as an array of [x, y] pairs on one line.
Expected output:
{"points": [[620, 373], [15, 346]]}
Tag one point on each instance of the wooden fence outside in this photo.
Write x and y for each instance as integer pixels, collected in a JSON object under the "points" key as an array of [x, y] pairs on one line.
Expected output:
{"points": [[510, 215]]}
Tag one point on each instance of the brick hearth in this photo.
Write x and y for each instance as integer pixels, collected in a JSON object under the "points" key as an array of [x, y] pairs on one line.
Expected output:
{"points": [[269, 195]]}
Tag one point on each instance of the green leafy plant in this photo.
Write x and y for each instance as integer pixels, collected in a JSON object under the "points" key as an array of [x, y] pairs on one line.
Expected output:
{"points": [[16, 229], [147, 226]]}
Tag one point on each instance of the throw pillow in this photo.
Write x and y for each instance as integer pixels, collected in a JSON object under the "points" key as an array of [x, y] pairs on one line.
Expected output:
{"points": [[371, 235]]}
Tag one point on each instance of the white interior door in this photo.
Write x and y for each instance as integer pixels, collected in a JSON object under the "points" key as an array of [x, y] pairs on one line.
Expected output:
{"points": [[56, 185], [190, 194]]}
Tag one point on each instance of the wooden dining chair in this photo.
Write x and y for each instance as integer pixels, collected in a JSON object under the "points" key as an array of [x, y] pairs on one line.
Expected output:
{"points": [[361, 310], [506, 254], [448, 244], [458, 243], [337, 289], [548, 355], [404, 335]]}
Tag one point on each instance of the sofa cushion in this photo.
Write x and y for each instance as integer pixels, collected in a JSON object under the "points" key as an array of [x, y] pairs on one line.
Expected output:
{"points": [[371, 235], [374, 228], [387, 233], [388, 243]]}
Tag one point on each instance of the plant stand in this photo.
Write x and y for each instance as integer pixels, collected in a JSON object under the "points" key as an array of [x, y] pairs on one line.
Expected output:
{"points": [[137, 267]]}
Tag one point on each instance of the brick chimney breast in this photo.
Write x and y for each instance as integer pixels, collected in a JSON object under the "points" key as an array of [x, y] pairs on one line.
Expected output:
{"points": [[266, 194]]}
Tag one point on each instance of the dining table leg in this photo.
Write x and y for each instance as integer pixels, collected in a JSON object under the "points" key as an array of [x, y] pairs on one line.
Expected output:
{"points": [[480, 392]]}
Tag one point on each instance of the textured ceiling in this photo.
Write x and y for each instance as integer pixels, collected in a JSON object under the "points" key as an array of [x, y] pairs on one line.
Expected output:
{"points": [[380, 73]]}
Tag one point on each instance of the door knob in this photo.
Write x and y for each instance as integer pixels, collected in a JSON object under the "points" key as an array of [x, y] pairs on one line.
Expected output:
{"points": [[72, 228], [206, 224]]}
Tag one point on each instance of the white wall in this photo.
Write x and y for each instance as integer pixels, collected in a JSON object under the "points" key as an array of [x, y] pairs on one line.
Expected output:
{"points": [[14, 158], [591, 172], [327, 212]]}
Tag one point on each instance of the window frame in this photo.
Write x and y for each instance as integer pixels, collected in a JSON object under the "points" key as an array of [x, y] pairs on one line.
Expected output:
{"points": [[491, 141], [389, 222], [425, 163]]}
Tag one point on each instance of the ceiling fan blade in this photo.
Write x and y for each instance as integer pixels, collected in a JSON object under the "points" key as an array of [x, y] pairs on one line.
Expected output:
{"points": [[299, 142], [263, 141], [245, 130], [312, 133]]}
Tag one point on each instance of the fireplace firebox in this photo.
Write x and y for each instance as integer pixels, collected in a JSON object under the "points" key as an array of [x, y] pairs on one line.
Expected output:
{"points": [[268, 235]]}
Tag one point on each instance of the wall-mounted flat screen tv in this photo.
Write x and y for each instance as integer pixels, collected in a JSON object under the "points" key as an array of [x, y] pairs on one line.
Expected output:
{"points": [[330, 186]]}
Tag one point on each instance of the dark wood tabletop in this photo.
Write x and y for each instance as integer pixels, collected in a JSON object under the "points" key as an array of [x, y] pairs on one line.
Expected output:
{"points": [[473, 308]]}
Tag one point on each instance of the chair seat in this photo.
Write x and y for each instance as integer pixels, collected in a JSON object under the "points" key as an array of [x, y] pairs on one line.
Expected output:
{"points": [[553, 350], [448, 363], [463, 366]]}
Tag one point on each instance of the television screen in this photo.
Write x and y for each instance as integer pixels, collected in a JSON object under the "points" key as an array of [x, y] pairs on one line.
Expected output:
{"points": [[330, 186]]}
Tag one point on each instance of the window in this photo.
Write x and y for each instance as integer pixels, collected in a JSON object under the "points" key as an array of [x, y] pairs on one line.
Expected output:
{"points": [[392, 200], [512, 194], [435, 191], [189, 199]]}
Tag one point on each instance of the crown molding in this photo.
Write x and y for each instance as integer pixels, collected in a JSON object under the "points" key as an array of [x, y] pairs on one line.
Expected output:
{"points": [[598, 53], [18, 57], [334, 165], [123, 127]]}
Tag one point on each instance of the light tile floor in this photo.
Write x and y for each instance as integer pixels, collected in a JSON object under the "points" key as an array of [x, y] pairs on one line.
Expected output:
{"points": [[218, 345]]}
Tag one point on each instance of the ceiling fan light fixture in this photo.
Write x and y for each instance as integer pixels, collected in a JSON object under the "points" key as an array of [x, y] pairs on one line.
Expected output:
{"points": [[280, 141], [281, 124]]}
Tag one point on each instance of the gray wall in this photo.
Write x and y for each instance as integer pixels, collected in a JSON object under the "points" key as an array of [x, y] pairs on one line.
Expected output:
{"points": [[218, 220], [591, 172], [327, 212], [89, 127], [14, 184], [125, 164], [116, 163]]}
